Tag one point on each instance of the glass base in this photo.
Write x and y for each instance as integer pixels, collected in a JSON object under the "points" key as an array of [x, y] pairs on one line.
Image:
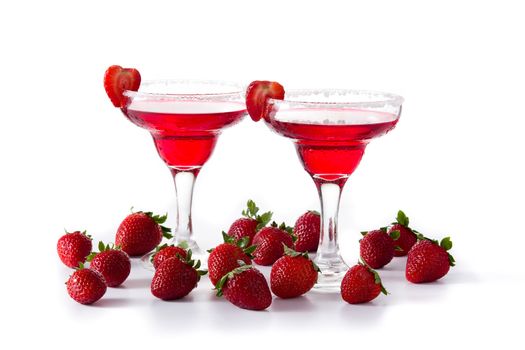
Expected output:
{"points": [[196, 253], [332, 273]]}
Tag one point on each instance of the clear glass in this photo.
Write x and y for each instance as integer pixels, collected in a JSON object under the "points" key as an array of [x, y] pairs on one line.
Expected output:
{"points": [[185, 118], [330, 130]]}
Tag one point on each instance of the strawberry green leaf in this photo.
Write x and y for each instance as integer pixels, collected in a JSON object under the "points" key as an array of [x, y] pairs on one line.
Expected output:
{"points": [[364, 233], [229, 275], [197, 265], [166, 232], [243, 242], [398, 248], [451, 260], [249, 250], [290, 252], [395, 234], [227, 238], [402, 219], [384, 228], [377, 280], [221, 284], [101, 246], [316, 268], [263, 219], [314, 212], [446, 243], [210, 250], [90, 257]]}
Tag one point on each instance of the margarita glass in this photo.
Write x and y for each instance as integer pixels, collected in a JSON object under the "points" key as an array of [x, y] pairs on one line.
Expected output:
{"points": [[330, 130], [185, 118]]}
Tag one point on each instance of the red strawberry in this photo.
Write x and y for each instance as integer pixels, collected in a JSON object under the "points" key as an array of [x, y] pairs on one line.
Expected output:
{"points": [[293, 274], [174, 278], [117, 80], [73, 248], [407, 236], [377, 247], [86, 286], [112, 263], [165, 251], [269, 242], [428, 261], [250, 224], [307, 230], [141, 232], [361, 284], [225, 257], [257, 94], [246, 288]]}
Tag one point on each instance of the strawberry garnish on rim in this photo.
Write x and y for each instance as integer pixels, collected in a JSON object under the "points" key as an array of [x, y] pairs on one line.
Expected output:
{"points": [[117, 80], [257, 95]]}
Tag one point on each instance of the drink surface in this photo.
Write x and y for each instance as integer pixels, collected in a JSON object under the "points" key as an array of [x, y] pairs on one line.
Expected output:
{"points": [[331, 142], [184, 132]]}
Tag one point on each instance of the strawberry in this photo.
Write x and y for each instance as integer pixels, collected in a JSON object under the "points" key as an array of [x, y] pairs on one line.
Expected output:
{"points": [[141, 232], [250, 223], [361, 284], [246, 288], [293, 274], [117, 80], [407, 236], [269, 242], [86, 285], [165, 251], [307, 230], [112, 263], [73, 248], [226, 256], [428, 261], [377, 248], [257, 94], [175, 278]]}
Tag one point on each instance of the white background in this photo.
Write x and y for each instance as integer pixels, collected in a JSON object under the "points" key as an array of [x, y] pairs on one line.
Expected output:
{"points": [[454, 164]]}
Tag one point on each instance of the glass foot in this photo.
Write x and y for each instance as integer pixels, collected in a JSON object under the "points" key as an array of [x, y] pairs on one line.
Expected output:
{"points": [[331, 275], [196, 252]]}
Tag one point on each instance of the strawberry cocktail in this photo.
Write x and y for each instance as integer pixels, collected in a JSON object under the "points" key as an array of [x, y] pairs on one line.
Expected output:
{"points": [[330, 130], [185, 119]]}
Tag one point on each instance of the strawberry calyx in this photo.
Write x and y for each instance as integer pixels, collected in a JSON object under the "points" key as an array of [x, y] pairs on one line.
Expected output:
{"points": [[102, 248], [82, 232], [251, 213], [195, 264], [237, 271], [402, 219], [242, 243], [377, 278], [257, 95], [183, 245], [292, 253], [445, 243], [285, 228], [158, 219]]}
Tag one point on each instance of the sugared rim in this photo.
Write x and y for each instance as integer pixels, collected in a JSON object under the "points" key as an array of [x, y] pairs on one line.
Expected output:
{"points": [[235, 91], [370, 99]]}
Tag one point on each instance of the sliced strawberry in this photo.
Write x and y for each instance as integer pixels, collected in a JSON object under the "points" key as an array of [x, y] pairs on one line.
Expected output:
{"points": [[117, 80], [257, 94]]}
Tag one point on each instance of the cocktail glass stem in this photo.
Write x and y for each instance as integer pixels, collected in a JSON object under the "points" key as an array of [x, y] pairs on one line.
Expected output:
{"points": [[184, 182], [328, 258]]}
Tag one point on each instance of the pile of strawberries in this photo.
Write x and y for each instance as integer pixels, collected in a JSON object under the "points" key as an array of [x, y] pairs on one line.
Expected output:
{"points": [[250, 240]]}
